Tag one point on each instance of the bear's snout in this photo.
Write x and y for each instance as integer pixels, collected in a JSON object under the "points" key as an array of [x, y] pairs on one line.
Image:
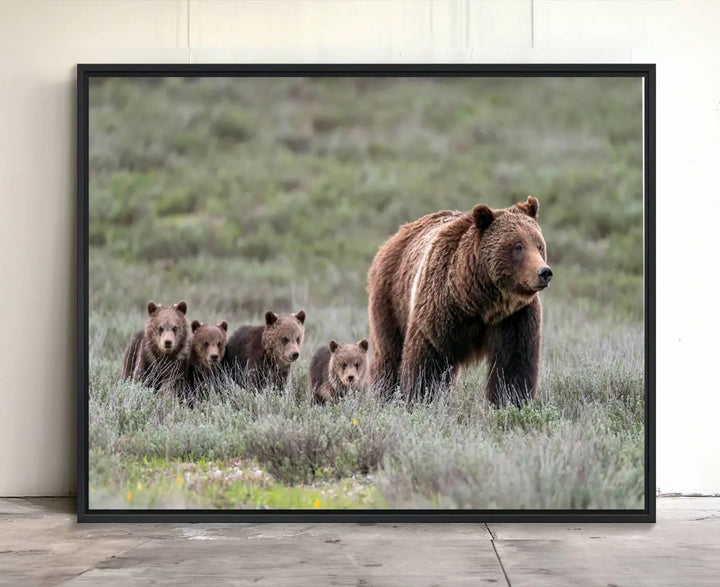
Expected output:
{"points": [[294, 356], [167, 344], [214, 358], [351, 378], [545, 275]]}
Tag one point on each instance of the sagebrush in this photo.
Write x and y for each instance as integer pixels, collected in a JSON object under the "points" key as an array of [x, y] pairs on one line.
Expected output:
{"points": [[246, 195]]}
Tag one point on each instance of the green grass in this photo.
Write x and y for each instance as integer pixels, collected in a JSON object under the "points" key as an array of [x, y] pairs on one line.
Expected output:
{"points": [[238, 484], [246, 195], [579, 444]]}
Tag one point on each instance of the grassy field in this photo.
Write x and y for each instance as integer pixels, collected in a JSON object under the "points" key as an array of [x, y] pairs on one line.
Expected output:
{"points": [[245, 195]]}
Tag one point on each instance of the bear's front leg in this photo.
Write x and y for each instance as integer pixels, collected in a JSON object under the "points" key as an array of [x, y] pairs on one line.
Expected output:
{"points": [[423, 368], [513, 352], [277, 378], [323, 394]]}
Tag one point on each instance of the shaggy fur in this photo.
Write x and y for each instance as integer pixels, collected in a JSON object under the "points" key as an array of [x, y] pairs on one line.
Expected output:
{"points": [[261, 356], [157, 356], [336, 369], [453, 288], [206, 353]]}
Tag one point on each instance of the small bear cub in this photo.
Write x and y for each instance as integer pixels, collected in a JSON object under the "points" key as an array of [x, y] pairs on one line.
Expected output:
{"points": [[336, 369], [261, 356], [157, 356], [206, 352]]}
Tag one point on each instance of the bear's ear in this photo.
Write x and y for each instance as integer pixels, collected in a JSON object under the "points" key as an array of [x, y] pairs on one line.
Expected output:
{"points": [[483, 216], [223, 326], [153, 307], [195, 325], [181, 307], [530, 207], [270, 318], [333, 346], [300, 316], [363, 344]]}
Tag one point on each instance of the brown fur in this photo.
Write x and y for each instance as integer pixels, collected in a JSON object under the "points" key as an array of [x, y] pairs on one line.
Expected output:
{"points": [[336, 369], [206, 353], [452, 288], [261, 356], [157, 356]]}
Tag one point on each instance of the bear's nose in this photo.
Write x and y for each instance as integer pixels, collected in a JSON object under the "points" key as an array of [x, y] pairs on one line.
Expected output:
{"points": [[168, 344], [545, 274], [213, 358], [351, 378], [294, 356]]}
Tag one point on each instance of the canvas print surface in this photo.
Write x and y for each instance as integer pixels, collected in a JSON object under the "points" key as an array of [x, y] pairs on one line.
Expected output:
{"points": [[366, 293]]}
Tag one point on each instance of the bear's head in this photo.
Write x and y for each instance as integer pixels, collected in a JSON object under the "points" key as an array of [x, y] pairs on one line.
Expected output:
{"points": [[512, 248], [348, 362], [208, 343], [167, 327], [282, 336]]}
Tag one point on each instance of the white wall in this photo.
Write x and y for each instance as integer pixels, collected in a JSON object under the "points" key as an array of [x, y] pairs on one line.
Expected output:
{"points": [[41, 41]]}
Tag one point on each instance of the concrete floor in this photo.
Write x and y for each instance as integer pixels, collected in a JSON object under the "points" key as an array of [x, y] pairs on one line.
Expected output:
{"points": [[41, 544]]}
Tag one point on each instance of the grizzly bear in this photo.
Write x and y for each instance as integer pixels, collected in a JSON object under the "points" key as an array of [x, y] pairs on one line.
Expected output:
{"points": [[207, 350], [261, 356], [453, 288], [336, 369], [157, 356]]}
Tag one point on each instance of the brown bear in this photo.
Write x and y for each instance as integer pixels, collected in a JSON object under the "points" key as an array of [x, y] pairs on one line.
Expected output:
{"points": [[207, 350], [336, 369], [261, 356], [157, 356], [452, 288]]}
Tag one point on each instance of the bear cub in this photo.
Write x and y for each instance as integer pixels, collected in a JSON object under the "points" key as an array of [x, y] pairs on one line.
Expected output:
{"points": [[261, 356], [207, 350], [157, 356], [336, 369]]}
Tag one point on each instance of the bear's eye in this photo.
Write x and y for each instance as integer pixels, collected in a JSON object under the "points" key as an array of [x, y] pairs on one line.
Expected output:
{"points": [[160, 330], [357, 365], [344, 366], [285, 340], [518, 247], [298, 340], [174, 329], [206, 344]]}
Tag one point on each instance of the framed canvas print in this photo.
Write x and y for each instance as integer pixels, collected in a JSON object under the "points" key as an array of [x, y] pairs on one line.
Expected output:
{"points": [[366, 293]]}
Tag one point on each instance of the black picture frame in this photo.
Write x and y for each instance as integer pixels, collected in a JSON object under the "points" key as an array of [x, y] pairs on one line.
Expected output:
{"points": [[87, 71]]}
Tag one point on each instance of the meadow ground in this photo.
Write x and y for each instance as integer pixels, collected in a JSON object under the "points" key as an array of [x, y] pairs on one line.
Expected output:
{"points": [[245, 195]]}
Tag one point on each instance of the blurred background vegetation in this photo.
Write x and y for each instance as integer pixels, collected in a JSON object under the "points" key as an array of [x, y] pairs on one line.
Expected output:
{"points": [[242, 194]]}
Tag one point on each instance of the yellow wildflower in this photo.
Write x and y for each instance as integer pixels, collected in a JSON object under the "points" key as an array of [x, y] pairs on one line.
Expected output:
{"points": [[316, 503], [139, 486], [178, 480], [128, 496], [354, 422]]}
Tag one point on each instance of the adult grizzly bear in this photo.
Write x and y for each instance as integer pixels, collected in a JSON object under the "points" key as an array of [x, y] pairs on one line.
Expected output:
{"points": [[453, 288], [157, 356], [261, 356]]}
